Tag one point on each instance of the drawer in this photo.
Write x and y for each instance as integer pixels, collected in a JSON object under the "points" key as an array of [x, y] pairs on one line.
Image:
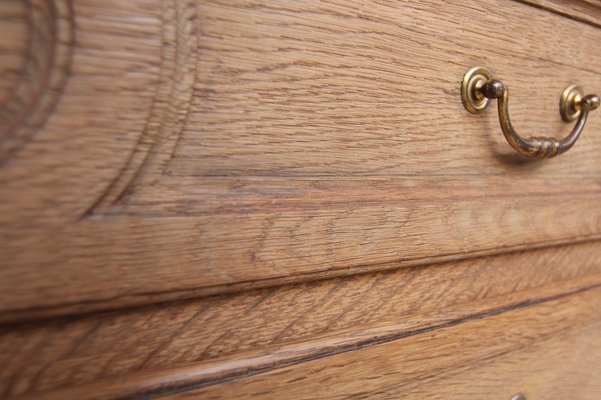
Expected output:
{"points": [[484, 328], [530, 352], [165, 150]]}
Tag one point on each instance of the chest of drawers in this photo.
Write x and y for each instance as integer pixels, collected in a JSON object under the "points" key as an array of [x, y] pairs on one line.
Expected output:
{"points": [[261, 199]]}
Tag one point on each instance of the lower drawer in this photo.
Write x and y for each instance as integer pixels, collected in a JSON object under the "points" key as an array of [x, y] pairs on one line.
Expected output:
{"points": [[475, 329], [550, 350]]}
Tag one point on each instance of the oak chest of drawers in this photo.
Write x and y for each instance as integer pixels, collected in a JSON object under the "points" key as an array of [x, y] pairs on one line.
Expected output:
{"points": [[281, 199]]}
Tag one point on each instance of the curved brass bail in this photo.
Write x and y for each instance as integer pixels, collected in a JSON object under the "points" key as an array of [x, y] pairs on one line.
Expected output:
{"points": [[478, 88]]}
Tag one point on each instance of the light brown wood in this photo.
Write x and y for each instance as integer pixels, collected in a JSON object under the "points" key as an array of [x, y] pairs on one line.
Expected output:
{"points": [[279, 199], [126, 353], [489, 358], [544, 347], [13, 45], [191, 149], [581, 10]]}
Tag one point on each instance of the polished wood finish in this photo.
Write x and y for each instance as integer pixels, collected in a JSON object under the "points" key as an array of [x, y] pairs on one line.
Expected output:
{"points": [[233, 199]]}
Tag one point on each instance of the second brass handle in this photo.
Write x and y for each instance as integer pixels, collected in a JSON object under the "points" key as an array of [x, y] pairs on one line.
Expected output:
{"points": [[478, 88]]}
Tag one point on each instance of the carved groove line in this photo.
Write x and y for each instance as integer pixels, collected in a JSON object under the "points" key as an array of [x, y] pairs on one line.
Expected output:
{"points": [[169, 110], [44, 76]]}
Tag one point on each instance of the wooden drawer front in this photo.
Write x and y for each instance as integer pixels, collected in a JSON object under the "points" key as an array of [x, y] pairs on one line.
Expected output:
{"points": [[534, 351], [184, 148], [481, 328]]}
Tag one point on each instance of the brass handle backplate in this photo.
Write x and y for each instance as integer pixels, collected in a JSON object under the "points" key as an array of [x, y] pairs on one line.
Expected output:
{"points": [[479, 87]]}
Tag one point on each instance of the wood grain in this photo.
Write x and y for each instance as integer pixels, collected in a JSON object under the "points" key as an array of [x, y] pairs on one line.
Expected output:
{"points": [[49, 38], [382, 78], [236, 199], [581, 10], [199, 148], [488, 358], [201, 255], [540, 347], [14, 36], [128, 352]]}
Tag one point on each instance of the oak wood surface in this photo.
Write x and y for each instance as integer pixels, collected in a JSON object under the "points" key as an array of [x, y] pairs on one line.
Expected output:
{"points": [[279, 199], [581, 10], [150, 349], [549, 350], [548, 347], [184, 149], [13, 45]]}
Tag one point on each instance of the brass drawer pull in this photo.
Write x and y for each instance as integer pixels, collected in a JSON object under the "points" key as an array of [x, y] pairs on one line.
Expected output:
{"points": [[478, 87]]}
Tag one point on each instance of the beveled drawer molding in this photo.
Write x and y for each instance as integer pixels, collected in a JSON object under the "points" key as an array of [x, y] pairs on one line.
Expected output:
{"points": [[288, 200], [559, 336], [252, 145], [207, 342], [473, 358]]}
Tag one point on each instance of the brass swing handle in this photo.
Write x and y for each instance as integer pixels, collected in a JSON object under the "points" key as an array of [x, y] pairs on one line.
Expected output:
{"points": [[478, 88]]}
